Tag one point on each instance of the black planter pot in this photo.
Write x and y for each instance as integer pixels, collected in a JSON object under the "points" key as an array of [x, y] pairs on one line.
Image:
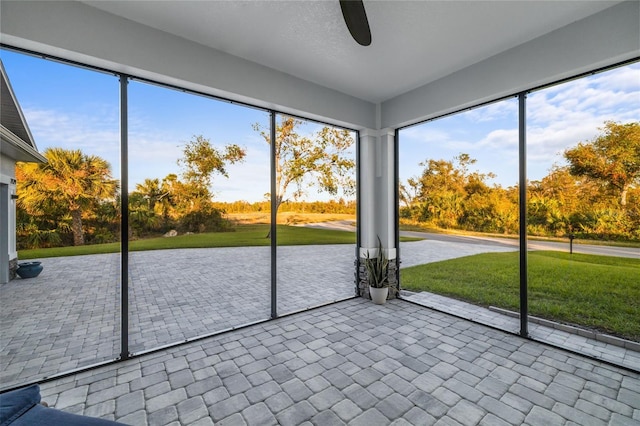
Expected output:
{"points": [[29, 269]]}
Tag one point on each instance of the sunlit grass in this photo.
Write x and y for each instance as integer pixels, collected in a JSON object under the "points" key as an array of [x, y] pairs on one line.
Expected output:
{"points": [[243, 236], [598, 292], [288, 218]]}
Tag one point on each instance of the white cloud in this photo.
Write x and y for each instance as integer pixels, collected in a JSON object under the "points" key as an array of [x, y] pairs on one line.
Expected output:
{"points": [[426, 134], [558, 117], [626, 78], [502, 110], [90, 133], [93, 134], [425, 140], [613, 95], [564, 115], [248, 181], [500, 139]]}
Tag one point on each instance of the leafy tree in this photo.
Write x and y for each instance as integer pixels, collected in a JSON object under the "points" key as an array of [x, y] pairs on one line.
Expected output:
{"points": [[185, 201], [191, 197], [151, 192], [69, 182], [304, 162], [142, 220], [440, 193], [553, 200], [447, 194], [102, 222], [454, 176], [201, 161], [613, 157], [148, 207], [492, 211], [36, 231]]}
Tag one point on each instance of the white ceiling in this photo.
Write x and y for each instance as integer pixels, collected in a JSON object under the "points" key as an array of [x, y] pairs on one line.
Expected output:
{"points": [[413, 42]]}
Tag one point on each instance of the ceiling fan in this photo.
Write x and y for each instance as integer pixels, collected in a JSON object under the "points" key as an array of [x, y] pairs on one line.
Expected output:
{"points": [[356, 19]]}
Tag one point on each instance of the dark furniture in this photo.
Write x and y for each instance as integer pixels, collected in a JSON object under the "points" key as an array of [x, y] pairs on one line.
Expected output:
{"points": [[22, 407]]}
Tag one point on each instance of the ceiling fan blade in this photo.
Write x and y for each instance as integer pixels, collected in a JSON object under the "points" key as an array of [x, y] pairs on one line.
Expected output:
{"points": [[356, 19]]}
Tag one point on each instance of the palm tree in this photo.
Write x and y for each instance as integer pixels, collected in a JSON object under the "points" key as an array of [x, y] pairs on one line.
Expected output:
{"points": [[70, 181], [151, 192]]}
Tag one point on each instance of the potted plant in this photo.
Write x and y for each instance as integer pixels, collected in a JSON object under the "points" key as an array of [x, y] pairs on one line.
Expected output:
{"points": [[29, 269], [378, 275]]}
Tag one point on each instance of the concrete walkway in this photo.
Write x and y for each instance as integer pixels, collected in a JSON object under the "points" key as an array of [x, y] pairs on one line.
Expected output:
{"points": [[359, 364]]}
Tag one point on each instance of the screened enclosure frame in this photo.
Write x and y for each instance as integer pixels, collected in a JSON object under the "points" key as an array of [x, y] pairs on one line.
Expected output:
{"points": [[124, 80], [522, 186], [124, 248]]}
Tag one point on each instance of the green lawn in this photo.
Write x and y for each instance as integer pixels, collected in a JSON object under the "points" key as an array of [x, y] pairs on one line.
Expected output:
{"points": [[242, 236], [597, 292]]}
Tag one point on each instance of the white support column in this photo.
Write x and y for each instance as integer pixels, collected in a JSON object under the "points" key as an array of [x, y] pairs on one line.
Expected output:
{"points": [[377, 191], [367, 163], [13, 251], [377, 195], [8, 252], [387, 138], [4, 226]]}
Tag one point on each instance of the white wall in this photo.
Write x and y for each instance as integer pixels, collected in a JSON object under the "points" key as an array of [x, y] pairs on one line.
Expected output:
{"points": [[7, 168], [7, 216], [13, 252], [603, 39], [4, 232]]}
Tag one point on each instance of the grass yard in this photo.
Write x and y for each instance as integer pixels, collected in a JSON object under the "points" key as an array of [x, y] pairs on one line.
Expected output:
{"points": [[596, 292], [288, 218], [243, 236]]}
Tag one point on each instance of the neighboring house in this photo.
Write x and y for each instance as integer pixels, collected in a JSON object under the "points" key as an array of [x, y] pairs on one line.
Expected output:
{"points": [[17, 144]]}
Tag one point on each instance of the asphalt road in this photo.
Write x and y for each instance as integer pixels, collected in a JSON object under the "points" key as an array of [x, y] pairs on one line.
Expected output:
{"points": [[631, 252]]}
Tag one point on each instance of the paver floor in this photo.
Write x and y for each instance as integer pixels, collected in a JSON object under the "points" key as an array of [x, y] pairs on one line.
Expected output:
{"points": [[69, 316], [357, 363], [602, 347]]}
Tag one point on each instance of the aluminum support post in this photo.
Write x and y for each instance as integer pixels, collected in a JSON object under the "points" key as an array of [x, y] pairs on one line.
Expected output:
{"points": [[522, 130], [124, 221]]}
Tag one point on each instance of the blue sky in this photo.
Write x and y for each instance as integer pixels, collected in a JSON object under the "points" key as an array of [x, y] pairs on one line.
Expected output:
{"points": [[77, 108], [558, 117]]}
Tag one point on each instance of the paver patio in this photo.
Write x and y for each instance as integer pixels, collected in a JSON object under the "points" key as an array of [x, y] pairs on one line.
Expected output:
{"points": [[180, 294], [69, 316], [156, 389], [359, 364]]}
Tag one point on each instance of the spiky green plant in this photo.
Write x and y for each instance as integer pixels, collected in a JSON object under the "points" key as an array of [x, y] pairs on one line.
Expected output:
{"points": [[377, 268]]}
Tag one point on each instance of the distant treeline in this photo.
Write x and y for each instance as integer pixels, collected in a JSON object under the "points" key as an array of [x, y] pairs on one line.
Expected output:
{"points": [[595, 196], [557, 206], [72, 199], [322, 207]]}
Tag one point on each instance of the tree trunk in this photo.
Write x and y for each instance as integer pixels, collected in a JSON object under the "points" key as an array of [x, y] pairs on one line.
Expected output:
{"points": [[76, 227], [623, 196], [278, 202]]}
